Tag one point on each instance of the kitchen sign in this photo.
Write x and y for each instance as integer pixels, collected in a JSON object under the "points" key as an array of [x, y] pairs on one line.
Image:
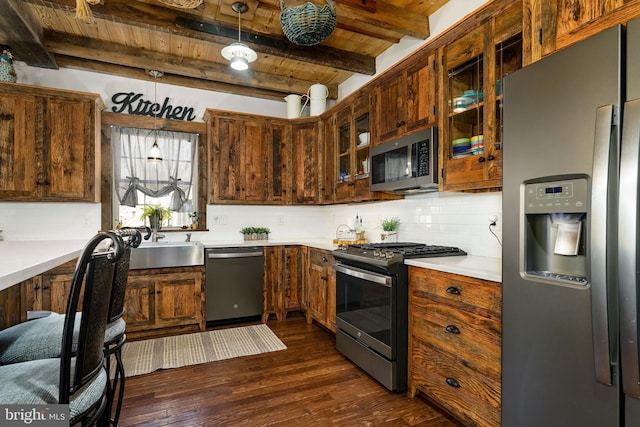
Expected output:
{"points": [[133, 103]]}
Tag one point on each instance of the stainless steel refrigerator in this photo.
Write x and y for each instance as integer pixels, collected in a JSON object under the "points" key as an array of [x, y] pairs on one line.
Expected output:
{"points": [[570, 236]]}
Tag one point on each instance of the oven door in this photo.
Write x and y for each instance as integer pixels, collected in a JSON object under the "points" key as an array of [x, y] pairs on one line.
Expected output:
{"points": [[366, 308]]}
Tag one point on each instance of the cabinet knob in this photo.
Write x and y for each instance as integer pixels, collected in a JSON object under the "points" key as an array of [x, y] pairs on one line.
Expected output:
{"points": [[490, 157], [324, 259], [453, 290], [452, 329], [481, 159], [400, 123], [325, 278], [453, 382]]}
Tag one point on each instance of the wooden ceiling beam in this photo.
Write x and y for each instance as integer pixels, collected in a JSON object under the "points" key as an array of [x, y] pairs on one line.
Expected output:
{"points": [[21, 31], [177, 22], [170, 79], [97, 50]]}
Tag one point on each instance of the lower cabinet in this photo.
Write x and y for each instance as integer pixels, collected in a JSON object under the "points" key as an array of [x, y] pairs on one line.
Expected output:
{"points": [[454, 344], [283, 268], [164, 300], [320, 288]]}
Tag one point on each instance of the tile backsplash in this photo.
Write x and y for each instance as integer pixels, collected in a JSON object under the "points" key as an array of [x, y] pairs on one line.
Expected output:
{"points": [[456, 219]]}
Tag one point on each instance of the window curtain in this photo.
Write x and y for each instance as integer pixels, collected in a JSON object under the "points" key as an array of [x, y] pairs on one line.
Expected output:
{"points": [[133, 172]]}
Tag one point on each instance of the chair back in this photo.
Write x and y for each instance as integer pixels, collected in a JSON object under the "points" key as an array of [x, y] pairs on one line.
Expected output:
{"points": [[93, 280], [132, 239]]}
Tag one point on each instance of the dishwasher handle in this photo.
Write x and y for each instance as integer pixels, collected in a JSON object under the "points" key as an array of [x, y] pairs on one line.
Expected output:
{"points": [[223, 255]]}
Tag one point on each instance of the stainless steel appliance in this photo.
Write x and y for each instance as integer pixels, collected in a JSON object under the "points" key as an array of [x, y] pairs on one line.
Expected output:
{"points": [[406, 165], [570, 260], [234, 283], [371, 306]]}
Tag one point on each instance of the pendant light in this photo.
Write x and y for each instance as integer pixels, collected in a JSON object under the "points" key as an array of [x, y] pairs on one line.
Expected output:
{"points": [[154, 154], [238, 53]]}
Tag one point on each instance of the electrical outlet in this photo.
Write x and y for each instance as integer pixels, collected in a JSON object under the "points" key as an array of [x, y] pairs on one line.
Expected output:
{"points": [[219, 219], [494, 221]]}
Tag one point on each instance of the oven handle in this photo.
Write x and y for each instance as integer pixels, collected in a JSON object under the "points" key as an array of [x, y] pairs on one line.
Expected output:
{"points": [[364, 274]]}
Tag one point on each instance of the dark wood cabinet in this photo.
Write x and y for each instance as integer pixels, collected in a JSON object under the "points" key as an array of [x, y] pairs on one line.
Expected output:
{"points": [[349, 142], [320, 288], [283, 280], [550, 25], [49, 143], [162, 300], [454, 344], [306, 137], [406, 100], [247, 158], [471, 129]]}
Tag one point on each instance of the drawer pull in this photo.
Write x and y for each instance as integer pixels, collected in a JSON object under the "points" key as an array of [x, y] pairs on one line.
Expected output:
{"points": [[453, 329], [453, 382], [453, 290]]}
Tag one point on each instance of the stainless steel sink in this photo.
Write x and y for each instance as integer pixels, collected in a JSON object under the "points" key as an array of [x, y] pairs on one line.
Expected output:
{"points": [[166, 254]]}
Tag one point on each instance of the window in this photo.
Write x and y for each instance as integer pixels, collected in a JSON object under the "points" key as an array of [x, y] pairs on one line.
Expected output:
{"points": [[139, 181]]}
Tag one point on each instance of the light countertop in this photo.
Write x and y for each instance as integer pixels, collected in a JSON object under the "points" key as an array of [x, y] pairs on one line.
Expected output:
{"points": [[22, 260], [472, 266]]}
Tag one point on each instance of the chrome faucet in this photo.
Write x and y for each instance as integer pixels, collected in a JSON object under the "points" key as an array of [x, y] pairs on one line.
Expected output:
{"points": [[155, 236]]}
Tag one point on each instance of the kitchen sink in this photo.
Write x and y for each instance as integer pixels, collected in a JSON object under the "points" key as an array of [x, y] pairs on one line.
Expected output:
{"points": [[166, 254]]}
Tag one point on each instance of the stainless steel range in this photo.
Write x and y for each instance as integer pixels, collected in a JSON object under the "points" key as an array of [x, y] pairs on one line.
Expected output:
{"points": [[371, 306]]}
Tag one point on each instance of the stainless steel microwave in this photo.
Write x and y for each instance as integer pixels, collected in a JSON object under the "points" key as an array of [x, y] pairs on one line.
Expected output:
{"points": [[408, 164]]}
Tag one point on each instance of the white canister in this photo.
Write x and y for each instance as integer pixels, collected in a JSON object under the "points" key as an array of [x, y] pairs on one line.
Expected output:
{"points": [[293, 105], [318, 94]]}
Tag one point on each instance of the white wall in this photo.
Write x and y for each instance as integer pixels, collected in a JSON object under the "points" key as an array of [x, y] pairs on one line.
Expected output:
{"points": [[456, 219], [435, 218]]}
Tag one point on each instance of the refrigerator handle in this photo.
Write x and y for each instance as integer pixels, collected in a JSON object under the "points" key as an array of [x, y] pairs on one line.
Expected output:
{"points": [[627, 249], [598, 243]]}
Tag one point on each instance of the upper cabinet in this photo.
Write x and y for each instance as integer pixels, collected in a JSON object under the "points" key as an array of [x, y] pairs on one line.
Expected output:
{"points": [[247, 158], [306, 136], [49, 141], [348, 142], [550, 25], [406, 99], [471, 128]]}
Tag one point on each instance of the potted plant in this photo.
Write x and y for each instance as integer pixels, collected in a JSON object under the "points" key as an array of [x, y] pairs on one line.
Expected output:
{"points": [[255, 233], [156, 214], [389, 229]]}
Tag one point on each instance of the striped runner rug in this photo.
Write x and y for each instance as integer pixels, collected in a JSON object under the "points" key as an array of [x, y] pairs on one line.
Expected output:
{"points": [[142, 357]]}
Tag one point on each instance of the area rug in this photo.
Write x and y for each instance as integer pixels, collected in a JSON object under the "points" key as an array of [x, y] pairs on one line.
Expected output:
{"points": [[142, 357]]}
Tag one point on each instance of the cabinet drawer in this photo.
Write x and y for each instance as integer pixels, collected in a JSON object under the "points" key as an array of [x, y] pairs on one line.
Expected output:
{"points": [[475, 295], [319, 257], [475, 400], [474, 340]]}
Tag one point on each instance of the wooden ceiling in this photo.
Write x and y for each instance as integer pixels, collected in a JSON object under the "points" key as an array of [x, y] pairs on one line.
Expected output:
{"points": [[128, 37]]}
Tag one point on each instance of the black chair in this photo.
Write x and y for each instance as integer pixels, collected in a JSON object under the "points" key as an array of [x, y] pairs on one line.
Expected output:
{"points": [[39, 338], [78, 377]]}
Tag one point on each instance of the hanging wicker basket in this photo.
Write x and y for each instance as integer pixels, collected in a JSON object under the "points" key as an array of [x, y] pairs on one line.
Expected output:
{"points": [[183, 4], [308, 24]]}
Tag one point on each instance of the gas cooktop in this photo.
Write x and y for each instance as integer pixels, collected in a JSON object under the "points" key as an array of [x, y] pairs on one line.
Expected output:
{"points": [[395, 252]]}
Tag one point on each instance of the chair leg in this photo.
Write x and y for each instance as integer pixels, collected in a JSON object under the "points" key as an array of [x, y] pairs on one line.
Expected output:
{"points": [[120, 374], [115, 386]]}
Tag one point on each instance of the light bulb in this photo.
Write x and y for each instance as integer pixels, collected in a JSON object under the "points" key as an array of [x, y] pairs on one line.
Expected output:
{"points": [[239, 63], [154, 154]]}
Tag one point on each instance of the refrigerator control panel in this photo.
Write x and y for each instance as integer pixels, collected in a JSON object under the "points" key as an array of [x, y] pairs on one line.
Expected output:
{"points": [[568, 196]]}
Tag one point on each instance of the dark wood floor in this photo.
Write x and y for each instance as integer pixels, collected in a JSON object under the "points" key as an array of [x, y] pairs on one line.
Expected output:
{"points": [[309, 384]]}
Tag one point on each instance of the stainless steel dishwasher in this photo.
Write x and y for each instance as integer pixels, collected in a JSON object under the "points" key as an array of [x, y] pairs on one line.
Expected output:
{"points": [[234, 288]]}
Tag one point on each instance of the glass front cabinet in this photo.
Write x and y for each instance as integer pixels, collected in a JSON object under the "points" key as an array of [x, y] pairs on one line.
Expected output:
{"points": [[471, 131], [353, 142]]}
